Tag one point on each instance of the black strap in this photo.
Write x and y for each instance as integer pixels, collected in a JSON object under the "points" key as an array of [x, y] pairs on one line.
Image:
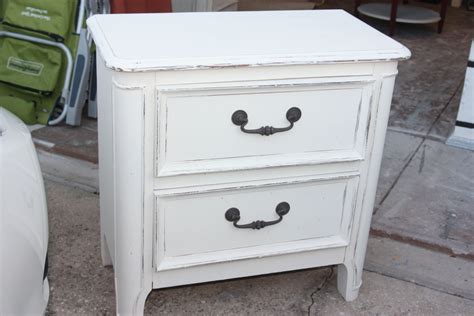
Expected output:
{"points": [[464, 124]]}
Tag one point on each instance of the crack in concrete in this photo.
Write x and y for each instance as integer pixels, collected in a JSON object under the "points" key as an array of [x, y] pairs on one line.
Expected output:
{"points": [[422, 159], [398, 176], [319, 288], [424, 138]]}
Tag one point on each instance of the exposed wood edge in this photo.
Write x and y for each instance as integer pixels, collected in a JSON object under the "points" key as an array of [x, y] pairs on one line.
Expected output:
{"points": [[125, 65]]}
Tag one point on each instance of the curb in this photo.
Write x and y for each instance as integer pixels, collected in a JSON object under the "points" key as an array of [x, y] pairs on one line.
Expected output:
{"points": [[69, 171]]}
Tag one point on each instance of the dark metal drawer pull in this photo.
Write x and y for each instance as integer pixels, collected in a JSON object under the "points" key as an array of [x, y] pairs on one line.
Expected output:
{"points": [[233, 215], [240, 118]]}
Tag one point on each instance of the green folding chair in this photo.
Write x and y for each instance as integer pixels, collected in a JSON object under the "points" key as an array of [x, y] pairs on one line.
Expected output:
{"points": [[44, 60]]}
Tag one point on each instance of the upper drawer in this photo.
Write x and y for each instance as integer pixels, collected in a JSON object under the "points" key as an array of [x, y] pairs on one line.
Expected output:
{"points": [[196, 132]]}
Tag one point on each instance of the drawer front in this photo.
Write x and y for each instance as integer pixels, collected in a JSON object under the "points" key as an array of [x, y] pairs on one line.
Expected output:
{"points": [[198, 228], [197, 132]]}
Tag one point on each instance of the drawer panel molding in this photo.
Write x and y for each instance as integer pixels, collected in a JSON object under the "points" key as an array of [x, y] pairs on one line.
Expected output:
{"points": [[225, 128], [192, 228]]}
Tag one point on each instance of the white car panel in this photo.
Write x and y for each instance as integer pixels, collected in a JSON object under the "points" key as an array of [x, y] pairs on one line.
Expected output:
{"points": [[24, 222]]}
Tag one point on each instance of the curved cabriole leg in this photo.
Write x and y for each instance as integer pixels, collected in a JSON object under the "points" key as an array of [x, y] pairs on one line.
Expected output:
{"points": [[348, 283], [129, 302], [349, 273], [132, 284]]}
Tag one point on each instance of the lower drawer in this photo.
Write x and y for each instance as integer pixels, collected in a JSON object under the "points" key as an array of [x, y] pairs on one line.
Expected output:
{"points": [[233, 224]]}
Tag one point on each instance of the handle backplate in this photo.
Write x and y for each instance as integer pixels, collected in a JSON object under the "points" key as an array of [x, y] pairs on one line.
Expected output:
{"points": [[240, 118], [233, 215]]}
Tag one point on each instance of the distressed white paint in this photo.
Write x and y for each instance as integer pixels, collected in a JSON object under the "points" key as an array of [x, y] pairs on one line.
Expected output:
{"points": [[172, 162], [200, 215], [188, 145], [165, 41]]}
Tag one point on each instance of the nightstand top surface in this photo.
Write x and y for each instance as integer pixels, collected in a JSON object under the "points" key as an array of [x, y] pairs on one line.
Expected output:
{"points": [[167, 41]]}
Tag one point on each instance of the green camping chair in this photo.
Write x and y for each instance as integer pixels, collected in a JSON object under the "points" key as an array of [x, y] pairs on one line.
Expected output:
{"points": [[44, 60]]}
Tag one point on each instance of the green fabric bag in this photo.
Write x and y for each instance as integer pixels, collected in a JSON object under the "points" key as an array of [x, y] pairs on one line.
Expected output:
{"points": [[29, 67], [49, 17], [25, 110]]}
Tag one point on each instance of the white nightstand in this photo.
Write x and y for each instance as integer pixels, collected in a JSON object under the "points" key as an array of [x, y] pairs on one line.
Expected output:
{"points": [[185, 172]]}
